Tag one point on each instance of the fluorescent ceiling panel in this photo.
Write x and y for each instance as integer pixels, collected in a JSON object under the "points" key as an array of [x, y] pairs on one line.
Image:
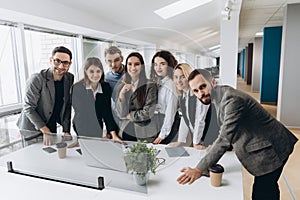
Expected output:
{"points": [[179, 7], [214, 47]]}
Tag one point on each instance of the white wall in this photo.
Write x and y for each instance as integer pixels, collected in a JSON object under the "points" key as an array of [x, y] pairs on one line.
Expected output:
{"points": [[256, 67], [229, 47], [288, 108]]}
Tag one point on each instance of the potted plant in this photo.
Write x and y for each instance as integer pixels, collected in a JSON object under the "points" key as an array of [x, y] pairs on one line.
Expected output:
{"points": [[140, 160]]}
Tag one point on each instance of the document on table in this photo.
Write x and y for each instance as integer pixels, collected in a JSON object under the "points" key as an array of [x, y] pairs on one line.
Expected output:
{"points": [[176, 151]]}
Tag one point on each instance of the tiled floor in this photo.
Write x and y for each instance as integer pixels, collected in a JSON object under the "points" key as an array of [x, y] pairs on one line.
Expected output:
{"points": [[289, 182]]}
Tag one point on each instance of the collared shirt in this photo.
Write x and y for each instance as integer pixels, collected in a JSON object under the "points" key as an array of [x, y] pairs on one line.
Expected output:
{"points": [[167, 104], [98, 90], [200, 115], [134, 85]]}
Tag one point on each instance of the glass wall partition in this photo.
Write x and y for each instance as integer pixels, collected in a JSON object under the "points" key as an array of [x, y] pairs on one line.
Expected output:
{"points": [[9, 93]]}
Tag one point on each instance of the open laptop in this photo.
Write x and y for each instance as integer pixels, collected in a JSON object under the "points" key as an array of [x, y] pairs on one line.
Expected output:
{"points": [[103, 153]]}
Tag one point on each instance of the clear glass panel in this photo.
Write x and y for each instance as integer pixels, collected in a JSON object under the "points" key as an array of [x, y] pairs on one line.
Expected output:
{"points": [[39, 47], [8, 87], [93, 48]]}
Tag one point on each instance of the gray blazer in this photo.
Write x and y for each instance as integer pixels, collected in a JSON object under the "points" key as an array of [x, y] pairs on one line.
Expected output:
{"points": [[141, 118], [261, 143], [39, 101]]}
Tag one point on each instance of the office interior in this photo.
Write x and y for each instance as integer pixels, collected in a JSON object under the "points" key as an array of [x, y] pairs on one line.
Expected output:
{"points": [[253, 43]]}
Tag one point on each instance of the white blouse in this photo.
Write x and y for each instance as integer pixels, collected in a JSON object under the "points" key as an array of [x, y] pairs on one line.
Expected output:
{"points": [[197, 130], [167, 104], [98, 90]]}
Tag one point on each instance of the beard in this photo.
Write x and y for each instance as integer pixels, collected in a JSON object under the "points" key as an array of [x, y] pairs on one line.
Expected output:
{"points": [[205, 99]]}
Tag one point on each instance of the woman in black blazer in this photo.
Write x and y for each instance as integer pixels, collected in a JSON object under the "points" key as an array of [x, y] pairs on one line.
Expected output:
{"points": [[91, 100]]}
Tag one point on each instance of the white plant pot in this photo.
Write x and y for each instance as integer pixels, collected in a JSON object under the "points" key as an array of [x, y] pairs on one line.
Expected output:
{"points": [[140, 180]]}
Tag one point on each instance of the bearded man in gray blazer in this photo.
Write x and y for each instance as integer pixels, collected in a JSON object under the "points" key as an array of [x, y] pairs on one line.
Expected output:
{"points": [[47, 98], [261, 143]]}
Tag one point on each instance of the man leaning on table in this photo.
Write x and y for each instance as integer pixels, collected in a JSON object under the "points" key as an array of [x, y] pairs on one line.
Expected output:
{"points": [[47, 97], [261, 143]]}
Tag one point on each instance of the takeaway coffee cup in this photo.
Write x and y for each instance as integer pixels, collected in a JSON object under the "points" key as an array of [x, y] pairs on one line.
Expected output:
{"points": [[216, 172], [61, 149]]}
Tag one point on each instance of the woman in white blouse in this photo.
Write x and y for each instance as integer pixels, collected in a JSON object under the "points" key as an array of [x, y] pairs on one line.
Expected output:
{"points": [[167, 117], [193, 111]]}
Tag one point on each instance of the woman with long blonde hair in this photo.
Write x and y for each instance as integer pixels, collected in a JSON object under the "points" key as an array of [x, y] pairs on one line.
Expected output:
{"points": [[193, 111]]}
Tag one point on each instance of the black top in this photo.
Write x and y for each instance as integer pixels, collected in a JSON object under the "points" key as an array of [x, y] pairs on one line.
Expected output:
{"points": [[90, 112], [59, 101]]}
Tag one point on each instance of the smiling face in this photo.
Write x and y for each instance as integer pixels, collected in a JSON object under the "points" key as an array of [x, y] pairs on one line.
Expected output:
{"points": [[134, 67], [60, 63], [160, 66], [202, 88], [180, 81], [94, 74]]}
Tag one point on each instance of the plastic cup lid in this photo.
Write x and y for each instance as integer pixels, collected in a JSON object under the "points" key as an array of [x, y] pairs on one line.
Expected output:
{"points": [[216, 168], [61, 145]]}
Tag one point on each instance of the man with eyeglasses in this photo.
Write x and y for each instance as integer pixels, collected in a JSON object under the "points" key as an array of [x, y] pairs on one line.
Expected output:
{"points": [[114, 59], [47, 99]]}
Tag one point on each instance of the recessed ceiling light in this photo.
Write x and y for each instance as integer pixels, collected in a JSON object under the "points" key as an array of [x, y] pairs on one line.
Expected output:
{"points": [[179, 7], [259, 34]]}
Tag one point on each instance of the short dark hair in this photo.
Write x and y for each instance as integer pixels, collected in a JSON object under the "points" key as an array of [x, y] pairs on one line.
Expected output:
{"points": [[206, 74], [62, 49], [112, 50]]}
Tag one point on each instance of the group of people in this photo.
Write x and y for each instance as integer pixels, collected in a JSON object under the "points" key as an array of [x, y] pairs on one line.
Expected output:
{"points": [[130, 105], [133, 107]]}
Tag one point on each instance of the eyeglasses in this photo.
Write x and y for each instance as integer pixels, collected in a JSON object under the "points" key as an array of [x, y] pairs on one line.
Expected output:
{"points": [[57, 62], [114, 61]]}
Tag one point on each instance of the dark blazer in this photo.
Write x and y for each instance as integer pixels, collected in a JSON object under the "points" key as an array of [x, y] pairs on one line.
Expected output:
{"points": [[261, 143], [211, 128], [141, 117], [90, 112], [39, 101]]}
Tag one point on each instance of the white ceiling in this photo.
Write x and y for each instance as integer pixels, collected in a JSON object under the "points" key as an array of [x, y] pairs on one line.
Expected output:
{"points": [[193, 31], [257, 14]]}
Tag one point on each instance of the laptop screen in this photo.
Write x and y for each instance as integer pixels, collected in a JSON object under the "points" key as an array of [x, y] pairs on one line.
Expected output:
{"points": [[103, 153]]}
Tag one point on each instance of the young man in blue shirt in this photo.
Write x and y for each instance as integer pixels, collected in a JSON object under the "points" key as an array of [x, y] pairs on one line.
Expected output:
{"points": [[114, 59]]}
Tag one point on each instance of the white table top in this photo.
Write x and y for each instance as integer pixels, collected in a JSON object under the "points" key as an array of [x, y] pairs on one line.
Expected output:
{"points": [[163, 185]]}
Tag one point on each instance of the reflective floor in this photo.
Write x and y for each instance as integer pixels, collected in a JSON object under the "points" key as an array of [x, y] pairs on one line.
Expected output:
{"points": [[290, 179]]}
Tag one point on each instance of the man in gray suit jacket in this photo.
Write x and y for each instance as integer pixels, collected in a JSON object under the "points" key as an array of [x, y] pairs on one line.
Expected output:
{"points": [[261, 143], [47, 98]]}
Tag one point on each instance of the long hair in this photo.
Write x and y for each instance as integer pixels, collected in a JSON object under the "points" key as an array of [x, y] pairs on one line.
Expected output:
{"points": [[186, 70], [169, 58], [89, 62], [142, 85]]}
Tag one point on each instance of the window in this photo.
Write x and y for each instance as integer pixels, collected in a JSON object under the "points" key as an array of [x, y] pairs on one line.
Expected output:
{"points": [[8, 79], [39, 46]]}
